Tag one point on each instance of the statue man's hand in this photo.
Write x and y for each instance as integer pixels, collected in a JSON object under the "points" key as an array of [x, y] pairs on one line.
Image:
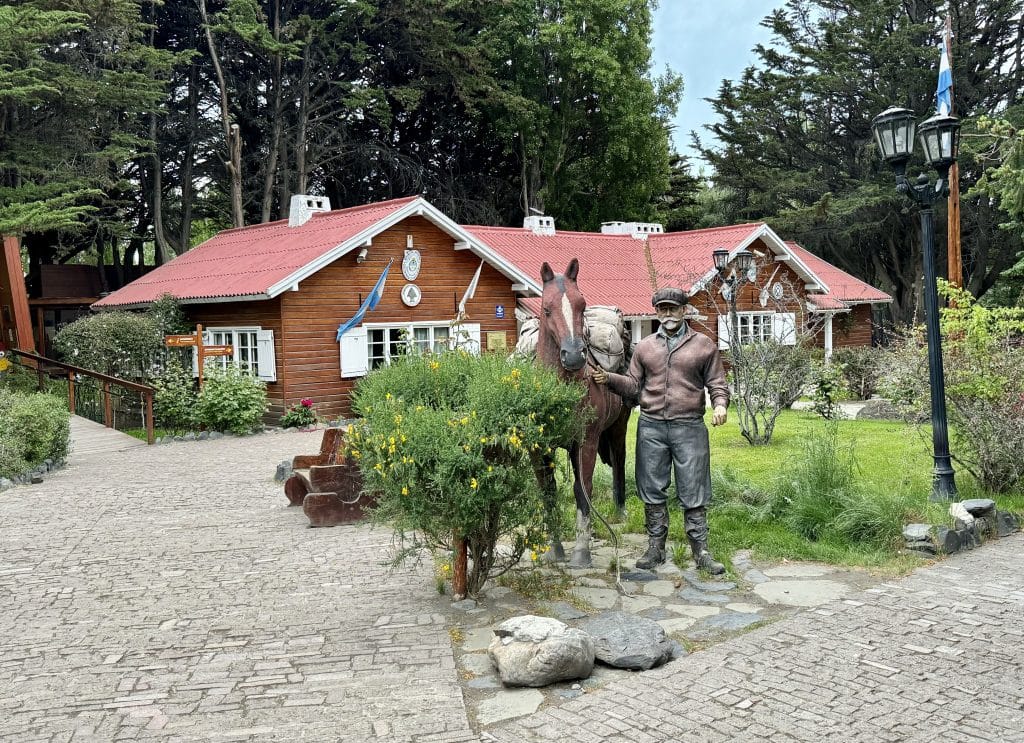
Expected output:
{"points": [[599, 375], [720, 414]]}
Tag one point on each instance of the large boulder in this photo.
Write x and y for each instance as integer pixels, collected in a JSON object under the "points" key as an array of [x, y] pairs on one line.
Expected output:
{"points": [[878, 409], [624, 640], [538, 651]]}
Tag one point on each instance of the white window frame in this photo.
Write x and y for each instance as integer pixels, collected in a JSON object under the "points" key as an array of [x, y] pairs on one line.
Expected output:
{"points": [[256, 357], [777, 326], [362, 349]]}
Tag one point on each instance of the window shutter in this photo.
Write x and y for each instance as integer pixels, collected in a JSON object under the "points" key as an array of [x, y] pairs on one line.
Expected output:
{"points": [[265, 355], [206, 340], [784, 328], [723, 332], [354, 356], [473, 343]]}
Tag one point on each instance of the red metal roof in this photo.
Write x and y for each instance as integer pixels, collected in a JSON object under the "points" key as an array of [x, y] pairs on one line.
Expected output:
{"points": [[247, 261], [842, 287]]}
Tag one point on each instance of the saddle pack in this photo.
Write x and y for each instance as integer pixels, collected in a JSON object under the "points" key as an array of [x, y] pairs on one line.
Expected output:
{"points": [[603, 330]]}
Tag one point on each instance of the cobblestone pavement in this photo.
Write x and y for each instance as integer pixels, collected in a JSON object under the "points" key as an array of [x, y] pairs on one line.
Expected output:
{"points": [[168, 593], [935, 656]]}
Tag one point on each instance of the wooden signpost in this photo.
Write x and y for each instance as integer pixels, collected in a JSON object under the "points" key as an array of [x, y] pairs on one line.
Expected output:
{"points": [[196, 339]]}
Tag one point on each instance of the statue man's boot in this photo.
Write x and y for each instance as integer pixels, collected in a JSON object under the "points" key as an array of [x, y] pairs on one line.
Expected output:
{"points": [[656, 518], [697, 533]]}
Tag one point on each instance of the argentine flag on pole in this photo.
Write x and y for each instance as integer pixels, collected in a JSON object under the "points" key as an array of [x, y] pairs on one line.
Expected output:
{"points": [[944, 91], [470, 291], [370, 303]]}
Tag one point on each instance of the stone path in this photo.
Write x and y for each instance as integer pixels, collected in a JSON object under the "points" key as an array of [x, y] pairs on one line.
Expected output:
{"points": [[168, 593], [695, 610], [936, 656]]}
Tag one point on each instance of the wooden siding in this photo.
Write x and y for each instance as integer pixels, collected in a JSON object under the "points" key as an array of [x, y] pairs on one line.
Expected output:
{"points": [[265, 314], [311, 316], [855, 331]]}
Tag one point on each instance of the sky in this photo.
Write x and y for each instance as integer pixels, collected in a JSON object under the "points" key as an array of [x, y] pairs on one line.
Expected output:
{"points": [[706, 41]]}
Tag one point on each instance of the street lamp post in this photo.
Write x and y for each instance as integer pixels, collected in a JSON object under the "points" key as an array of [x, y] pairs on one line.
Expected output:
{"points": [[940, 139], [744, 262]]}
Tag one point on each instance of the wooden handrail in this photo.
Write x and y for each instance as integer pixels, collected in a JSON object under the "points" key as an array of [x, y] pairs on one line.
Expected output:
{"points": [[106, 379]]}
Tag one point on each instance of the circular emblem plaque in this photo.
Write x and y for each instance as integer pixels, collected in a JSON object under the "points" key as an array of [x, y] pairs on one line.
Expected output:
{"points": [[411, 295], [411, 265], [778, 290]]}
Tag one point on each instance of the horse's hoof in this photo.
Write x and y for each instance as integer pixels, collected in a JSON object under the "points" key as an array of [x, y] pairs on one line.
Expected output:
{"points": [[580, 559], [556, 553]]}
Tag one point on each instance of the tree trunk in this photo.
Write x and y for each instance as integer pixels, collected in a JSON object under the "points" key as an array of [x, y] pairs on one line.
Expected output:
{"points": [[231, 136], [275, 131], [188, 161]]}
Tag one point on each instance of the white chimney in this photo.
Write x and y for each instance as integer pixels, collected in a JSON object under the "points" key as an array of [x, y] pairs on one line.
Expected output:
{"points": [[539, 225], [303, 207], [638, 230]]}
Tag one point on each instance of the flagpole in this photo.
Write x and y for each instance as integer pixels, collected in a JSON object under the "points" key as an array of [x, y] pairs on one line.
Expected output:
{"points": [[953, 254]]}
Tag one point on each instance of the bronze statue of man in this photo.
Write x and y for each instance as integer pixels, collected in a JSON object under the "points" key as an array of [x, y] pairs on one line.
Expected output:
{"points": [[669, 372]]}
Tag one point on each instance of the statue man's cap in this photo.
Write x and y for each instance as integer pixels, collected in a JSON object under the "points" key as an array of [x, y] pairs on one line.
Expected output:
{"points": [[669, 295]]}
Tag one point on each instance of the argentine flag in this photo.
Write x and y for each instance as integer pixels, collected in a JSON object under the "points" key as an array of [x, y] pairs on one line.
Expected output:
{"points": [[944, 91], [369, 304]]}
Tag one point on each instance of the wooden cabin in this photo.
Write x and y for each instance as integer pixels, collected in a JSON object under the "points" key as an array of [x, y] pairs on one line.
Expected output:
{"points": [[279, 292]]}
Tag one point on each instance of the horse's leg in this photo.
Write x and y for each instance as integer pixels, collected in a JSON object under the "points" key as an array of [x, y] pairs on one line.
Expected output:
{"points": [[583, 458], [616, 435], [549, 495]]}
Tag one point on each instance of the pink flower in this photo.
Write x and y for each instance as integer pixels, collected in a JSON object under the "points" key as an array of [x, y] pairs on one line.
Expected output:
{"points": [[306, 402]]}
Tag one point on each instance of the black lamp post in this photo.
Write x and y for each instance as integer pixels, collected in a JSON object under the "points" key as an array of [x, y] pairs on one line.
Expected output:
{"points": [[744, 262], [940, 140]]}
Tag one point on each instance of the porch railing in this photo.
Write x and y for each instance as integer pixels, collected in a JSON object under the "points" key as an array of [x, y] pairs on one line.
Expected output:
{"points": [[101, 392]]}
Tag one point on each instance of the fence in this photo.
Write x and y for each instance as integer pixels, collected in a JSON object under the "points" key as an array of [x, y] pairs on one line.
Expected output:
{"points": [[114, 402]]}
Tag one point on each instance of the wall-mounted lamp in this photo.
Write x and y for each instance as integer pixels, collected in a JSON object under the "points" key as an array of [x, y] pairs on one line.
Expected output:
{"points": [[363, 252]]}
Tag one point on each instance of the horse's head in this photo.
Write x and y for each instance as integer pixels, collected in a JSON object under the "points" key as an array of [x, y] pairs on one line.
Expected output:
{"points": [[561, 320]]}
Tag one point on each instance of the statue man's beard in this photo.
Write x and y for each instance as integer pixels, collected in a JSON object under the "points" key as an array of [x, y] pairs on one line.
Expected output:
{"points": [[671, 325]]}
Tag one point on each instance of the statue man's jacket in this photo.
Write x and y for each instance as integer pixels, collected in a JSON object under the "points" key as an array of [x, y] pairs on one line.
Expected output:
{"points": [[670, 383]]}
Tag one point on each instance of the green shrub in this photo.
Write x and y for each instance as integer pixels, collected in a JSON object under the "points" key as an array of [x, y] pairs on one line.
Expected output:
{"points": [[983, 361], [33, 428], [861, 369], [231, 400], [448, 444], [175, 404], [829, 388], [122, 344]]}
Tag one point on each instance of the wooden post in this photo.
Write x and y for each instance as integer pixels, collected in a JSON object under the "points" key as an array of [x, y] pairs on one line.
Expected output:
{"points": [[71, 392], [459, 569], [199, 353], [108, 413], [150, 434]]}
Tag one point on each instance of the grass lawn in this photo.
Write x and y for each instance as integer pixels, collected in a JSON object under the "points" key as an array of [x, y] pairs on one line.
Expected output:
{"points": [[892, 460]]}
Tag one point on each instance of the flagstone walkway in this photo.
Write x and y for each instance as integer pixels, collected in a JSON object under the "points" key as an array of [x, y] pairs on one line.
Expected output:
{"points": [[169, 593]]}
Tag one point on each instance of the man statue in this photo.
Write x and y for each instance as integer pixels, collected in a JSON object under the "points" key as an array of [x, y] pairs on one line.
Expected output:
{"points": [[669, 373]]}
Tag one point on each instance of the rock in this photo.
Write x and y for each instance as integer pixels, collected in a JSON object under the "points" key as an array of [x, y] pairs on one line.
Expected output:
{"points": [[714, 586], [947, 541], [537, 651], [878, 409], [5, 484], [564, 611], [979, 506], [1006, 523], [693, 596], [639, 576], [985, 525], [917, 532], [203, 436], [464, 605], [284, 471], [36, 479], [190, 436], [731, 622], [623, 640], [969, 538], [960, 515], [755, 576], [216, 435]]}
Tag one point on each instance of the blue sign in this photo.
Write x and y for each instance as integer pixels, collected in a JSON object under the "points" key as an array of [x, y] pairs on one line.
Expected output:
{"points": [[499, 311]]}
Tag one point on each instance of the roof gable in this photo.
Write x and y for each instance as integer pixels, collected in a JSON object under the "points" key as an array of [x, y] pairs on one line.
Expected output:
{"points": [[842, 287], [265, 260]]}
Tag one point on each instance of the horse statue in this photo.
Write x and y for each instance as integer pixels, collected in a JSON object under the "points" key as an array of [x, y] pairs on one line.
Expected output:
{"points": [[561, 344]]}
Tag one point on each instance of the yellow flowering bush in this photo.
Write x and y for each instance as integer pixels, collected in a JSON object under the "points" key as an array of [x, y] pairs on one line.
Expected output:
{"points": [[448, 443]]}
